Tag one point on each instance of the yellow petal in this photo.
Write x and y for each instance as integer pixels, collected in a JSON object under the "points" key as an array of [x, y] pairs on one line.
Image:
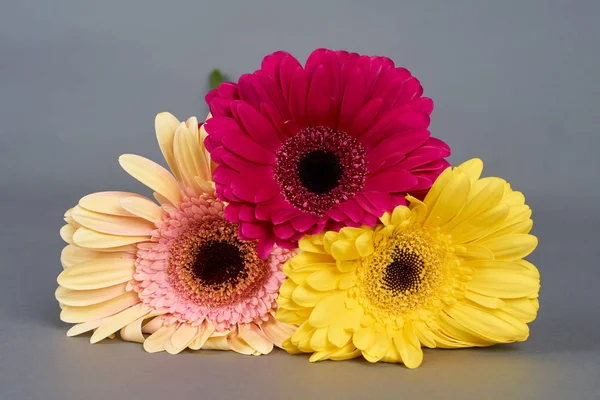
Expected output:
{"points": [[436, 190], [363, 338], [323, 280], [489, 325], [424, 334], [337, 335], [503, 283], [97, 311], [451, 200], [97, 274], [472, 168], [165, 125], [523, 308], [107, 202], [364, 243], [118, 321], [306, 296], [152, 175], [511, 247], [479, 224], [143, 208], [486, 301], [474, 251], [306, 244], [112, 224], [408, 345], [328, 309], [88, 297], [378, 348], [252, 334], [90, 239], [400, 214], [344, 250], [461, 335], [318, 341]]}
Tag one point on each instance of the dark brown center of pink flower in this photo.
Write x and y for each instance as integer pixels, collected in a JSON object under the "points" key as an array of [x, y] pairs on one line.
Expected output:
{"points": [[320, 167], [219, 262], [210, 266]]}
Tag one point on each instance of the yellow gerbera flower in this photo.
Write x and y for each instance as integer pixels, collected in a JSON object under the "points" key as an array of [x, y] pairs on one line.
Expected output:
{"points": [[445, 272]]}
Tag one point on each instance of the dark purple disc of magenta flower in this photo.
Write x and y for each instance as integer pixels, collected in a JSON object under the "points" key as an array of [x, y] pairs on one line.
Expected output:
{"points": [[334, 143]]}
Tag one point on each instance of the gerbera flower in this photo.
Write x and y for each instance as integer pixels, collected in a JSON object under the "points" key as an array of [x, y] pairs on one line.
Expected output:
{"points": [[334, 143], [176, 271], [446, 272]]}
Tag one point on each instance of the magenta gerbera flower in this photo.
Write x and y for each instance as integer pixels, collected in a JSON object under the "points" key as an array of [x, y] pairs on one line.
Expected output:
{"points": [[334, 143]]}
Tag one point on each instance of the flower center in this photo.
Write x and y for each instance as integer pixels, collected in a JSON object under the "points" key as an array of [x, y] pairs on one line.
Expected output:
{"points": [[320, 171], [218, 263], [405, 273], [320, 167], [210, 266]]}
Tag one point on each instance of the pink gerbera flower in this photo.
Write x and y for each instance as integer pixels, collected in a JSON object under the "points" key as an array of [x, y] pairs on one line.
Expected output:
{"points": [[334, 143]]}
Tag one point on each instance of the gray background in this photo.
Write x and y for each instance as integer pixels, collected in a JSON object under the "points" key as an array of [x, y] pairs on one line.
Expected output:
{"points": [[514, 82]]}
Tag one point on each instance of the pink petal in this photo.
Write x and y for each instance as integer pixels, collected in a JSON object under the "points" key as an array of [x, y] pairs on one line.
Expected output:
{"points": [[398, 142], [352, 210], [281, 216], [434, 142], [298, 96], [394, 180], [284, 231], [264, 246], [419, 157], [354, 97], [245, 187], [232, 212], [380, 200], [365, 118], [423, 104], [253, 230]]}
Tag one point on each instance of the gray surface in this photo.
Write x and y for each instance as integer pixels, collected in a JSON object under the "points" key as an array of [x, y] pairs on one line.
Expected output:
{"points": [[515, 83]]}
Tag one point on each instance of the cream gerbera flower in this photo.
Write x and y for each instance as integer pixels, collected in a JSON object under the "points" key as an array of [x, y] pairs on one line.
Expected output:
{"points": [[176, 271], [446, 272]]}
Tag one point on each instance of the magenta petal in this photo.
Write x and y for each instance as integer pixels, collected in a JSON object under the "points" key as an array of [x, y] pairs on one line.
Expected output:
{"points": [[317, 228], [352, 210], [435, 165], [246, 212], [354, 98], [257, 126], [248, 149], [380, 200], [419, 157], [423, 104], [253, 230], [298, 96], [424, 183], [264, 246], [281, 216], [401, 142], [232, 212], [245, 187], [366, 205], [319, 97], [284, 231], [434, 142], [365, 117], [395, 180], [336, 214], [304, 222]]}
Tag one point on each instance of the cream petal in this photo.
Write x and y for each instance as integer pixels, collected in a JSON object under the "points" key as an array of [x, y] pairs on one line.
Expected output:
{"points": [[205, 331], [190, 155], [132, 332], [143, 208], [235, 343], [107, 202], [91, 239], [112, 224], [79, 298], [153, 325], [277, 332], [85, 327], [97, 311], [152, 175], [219, 343], [252, 334], [118, 321], [67, 232], [165, 125], [182, 337], [97, 274], [156, 342], [73, 255]]}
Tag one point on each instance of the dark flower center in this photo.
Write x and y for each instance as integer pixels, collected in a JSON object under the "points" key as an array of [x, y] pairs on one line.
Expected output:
{"points": [[403, 274], [320, 171], [319, 168], [219, 262]]}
